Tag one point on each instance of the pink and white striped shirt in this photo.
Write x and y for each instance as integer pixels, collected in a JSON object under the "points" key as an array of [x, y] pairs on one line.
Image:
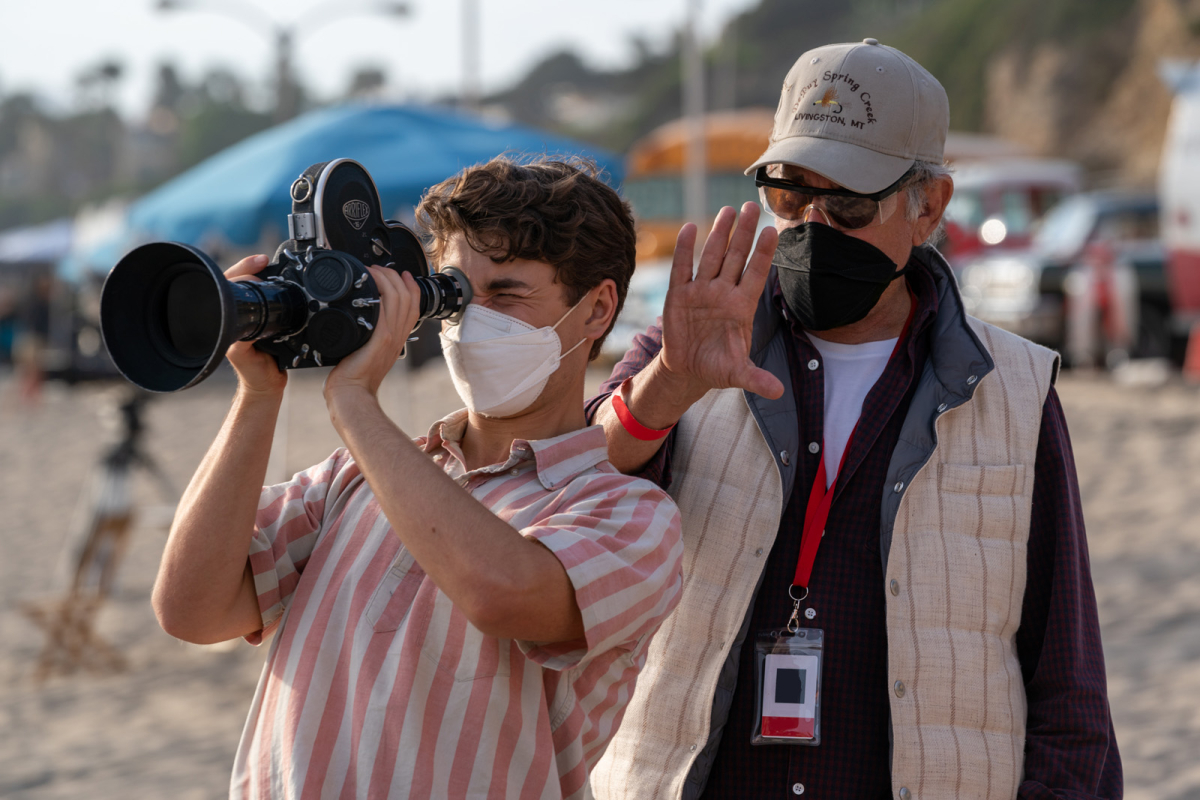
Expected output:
{"points": [[377, 686]]}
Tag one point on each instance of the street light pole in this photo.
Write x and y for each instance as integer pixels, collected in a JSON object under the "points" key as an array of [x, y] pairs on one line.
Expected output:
{"points": [[470, 54], [287, 91], [287, 94], [695, 183]]}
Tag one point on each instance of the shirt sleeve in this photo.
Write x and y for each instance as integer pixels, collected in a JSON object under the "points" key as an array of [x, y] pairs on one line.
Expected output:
{"points": [[1070, 746], [290, 518], [645, 347], [619, 540]]}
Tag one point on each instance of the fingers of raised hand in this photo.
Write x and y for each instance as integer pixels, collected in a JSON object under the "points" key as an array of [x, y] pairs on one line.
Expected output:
{"points": [[683, 260], [247, 266], [759, 264], [713, 254], [740, 243]]}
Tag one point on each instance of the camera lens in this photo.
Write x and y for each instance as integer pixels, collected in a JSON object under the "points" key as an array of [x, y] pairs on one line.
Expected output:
{"points": [[193, 309], [444, 295]]}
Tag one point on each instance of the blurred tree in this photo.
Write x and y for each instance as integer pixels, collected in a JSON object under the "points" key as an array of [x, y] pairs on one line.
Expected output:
{"points": [[96, 85], [169, 89], [216, 116], [366, 82], [49, 164], [87, 153], [110, 71], [748, 60], [14, 111], [957, 40], [22, 122], [222, 87]]}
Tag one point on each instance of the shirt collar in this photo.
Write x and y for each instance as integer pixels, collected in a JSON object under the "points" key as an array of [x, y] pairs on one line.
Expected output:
{"points": [[557, 460]]}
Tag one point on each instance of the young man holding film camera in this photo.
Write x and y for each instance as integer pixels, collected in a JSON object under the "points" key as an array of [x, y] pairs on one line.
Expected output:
{"points": [[466, 613]]}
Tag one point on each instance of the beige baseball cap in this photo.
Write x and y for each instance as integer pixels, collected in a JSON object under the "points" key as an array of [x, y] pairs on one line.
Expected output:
{"points": [[859, 114]]}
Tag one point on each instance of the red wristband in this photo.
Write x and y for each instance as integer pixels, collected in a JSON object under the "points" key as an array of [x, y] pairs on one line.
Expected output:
{"points": [[635, 429]]}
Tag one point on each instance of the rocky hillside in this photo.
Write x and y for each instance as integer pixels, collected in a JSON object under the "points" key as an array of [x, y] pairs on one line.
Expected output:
{"points": [[1069, 78], [1099, 100]]}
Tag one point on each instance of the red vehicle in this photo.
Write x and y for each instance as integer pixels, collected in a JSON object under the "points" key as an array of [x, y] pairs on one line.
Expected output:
{"points": [[1089, 284], [997, 203]]}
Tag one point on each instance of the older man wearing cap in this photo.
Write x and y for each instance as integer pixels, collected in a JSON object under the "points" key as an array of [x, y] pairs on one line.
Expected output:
{"points": [[886, 582]]}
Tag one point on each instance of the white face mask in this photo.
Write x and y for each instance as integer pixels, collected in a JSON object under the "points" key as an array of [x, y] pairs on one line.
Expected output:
{"points": [[498, 363]]}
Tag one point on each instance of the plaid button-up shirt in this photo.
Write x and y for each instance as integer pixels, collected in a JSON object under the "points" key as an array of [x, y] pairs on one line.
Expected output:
{"points": [[378, 686], [1070, 747]]}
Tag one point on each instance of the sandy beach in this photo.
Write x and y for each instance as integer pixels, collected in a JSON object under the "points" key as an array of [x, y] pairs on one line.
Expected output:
{"points": [[168, 724]]}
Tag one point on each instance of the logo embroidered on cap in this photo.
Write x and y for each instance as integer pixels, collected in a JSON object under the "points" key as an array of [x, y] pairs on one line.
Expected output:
{"points": [[830, 99], [832, 102]]}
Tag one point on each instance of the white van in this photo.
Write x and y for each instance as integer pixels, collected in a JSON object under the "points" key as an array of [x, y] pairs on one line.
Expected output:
{"points": [[1179, 193]]}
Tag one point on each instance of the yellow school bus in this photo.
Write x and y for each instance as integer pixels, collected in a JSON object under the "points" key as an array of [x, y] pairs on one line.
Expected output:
{"points": [[654, 173]]}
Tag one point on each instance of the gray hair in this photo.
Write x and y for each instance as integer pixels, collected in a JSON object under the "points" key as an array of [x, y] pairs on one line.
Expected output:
{"points": [[917, 197]]}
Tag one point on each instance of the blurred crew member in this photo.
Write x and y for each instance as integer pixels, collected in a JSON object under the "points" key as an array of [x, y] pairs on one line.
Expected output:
{"points": [[464, 614], [861, 465], [33, 331]]}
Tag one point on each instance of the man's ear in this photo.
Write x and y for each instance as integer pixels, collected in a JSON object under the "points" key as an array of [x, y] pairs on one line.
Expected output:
{"points": [[937, 196], [603, 310]]}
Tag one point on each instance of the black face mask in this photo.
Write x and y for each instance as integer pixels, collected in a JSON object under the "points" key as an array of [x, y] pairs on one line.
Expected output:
{"points": [[830, 279]]}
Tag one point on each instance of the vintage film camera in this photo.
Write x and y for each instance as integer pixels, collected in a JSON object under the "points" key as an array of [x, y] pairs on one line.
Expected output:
{"points": [[168, 314]]}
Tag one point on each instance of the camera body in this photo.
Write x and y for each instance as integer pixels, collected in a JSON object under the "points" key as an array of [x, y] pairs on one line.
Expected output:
{"points": [[336, 228], [168, 314]]}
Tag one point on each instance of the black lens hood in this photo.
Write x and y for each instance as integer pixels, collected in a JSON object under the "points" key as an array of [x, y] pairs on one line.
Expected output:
{"points": [[135, 316]]}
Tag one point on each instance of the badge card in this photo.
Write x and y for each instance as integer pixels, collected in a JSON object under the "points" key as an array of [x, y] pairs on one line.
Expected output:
{"points": [[789, 696], [789, 687]]}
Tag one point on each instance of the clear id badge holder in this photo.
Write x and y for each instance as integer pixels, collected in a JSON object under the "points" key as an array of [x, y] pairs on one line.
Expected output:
{"points": [[788, 704]]}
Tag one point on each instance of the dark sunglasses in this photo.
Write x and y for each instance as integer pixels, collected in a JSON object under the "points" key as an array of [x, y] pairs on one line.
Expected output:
{"points": [[851, 210]]}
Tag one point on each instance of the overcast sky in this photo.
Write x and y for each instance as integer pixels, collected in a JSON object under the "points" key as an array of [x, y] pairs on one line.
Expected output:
{"points": [[47, 43]]}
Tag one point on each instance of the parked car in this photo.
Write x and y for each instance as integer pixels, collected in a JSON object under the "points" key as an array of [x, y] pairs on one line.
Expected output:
{"points": [[998, 203], [1091, 282]]}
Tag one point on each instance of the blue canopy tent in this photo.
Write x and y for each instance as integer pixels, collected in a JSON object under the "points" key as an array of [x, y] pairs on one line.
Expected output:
{"points": [[238, 199], [35, 244], [243, 191]]}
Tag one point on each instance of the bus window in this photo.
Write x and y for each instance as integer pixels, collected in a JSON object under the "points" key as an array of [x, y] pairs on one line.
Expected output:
{"points": [[654, 182], [661, 197]]}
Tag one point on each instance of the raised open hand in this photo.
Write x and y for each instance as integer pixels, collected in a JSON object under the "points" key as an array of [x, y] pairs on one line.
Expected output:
{"points": [[708, 318]]}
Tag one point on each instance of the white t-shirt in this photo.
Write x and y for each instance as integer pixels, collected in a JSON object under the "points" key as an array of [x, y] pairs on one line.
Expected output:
{"points": [[850, 372]]}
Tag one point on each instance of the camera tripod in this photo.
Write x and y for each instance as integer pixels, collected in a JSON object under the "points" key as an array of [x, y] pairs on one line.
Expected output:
{"points": [[94, 552]]}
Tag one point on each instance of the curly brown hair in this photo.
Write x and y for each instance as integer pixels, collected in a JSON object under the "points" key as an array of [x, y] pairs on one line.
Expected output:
{"points": [[555, 211]]}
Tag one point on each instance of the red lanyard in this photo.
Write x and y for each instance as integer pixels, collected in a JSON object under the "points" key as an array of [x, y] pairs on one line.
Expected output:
{"points": [[820, 499], [815, 516]]}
